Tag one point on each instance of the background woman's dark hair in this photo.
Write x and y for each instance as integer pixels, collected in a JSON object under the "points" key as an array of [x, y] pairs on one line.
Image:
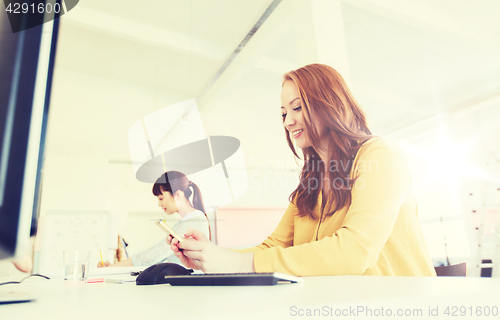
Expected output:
{"points": [[327, 102], [171, 181]]}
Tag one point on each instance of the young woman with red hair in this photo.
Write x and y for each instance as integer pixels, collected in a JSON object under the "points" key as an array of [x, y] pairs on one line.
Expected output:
{"points": [[353, 211]]}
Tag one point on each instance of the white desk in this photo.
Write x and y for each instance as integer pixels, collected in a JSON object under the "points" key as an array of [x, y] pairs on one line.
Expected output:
{"points": [[128, 301]]}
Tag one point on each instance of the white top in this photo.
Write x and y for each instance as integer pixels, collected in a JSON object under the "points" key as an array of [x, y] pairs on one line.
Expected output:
{"points": [[161, 251]]}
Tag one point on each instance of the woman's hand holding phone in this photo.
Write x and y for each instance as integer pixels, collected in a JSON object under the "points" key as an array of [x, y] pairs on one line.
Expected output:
{"points": [[174, 245], [197, 252]]}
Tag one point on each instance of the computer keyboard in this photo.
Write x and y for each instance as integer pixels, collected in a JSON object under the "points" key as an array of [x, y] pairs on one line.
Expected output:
{"points": [[231, 279]]}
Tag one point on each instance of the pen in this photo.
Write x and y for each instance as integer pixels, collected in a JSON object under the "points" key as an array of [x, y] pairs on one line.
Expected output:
{"points": [[96, 280], [102, 262]]}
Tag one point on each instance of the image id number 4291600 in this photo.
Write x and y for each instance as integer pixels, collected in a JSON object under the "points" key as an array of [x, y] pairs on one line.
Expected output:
{"points": [[478, 311], [20, 7]]}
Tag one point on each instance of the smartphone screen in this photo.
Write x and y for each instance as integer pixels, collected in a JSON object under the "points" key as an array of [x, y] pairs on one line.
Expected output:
{"points": [[165, 227]]}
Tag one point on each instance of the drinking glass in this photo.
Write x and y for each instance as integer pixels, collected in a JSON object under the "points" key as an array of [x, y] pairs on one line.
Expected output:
{"points": [[76, 266]]}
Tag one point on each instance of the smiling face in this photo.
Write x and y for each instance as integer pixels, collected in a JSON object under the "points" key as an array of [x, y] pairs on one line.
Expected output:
{"points": [[293, 119], [167, 202], [291, 111]]}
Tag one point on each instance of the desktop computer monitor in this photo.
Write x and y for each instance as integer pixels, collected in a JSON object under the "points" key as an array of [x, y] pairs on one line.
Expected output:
{"points": [[26, 65]]}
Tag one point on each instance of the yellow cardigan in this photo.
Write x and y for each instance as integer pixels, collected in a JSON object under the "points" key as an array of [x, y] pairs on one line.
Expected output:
{"points": [[377, 234]]}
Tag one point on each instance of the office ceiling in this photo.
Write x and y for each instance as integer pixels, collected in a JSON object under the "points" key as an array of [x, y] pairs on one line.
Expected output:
{"points": [[407, 61]]}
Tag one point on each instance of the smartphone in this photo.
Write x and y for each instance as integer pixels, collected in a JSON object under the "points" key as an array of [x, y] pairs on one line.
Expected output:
{"points": [[168, 230]]}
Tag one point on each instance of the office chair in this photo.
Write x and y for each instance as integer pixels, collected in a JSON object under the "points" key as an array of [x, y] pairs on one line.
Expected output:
{"points": [[455, 270]]}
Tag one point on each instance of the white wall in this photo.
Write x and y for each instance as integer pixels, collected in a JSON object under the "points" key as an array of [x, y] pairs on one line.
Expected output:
{"points": [[450, 157]]}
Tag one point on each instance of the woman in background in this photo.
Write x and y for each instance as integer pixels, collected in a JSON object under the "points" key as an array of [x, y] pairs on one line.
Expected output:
{"points": [[353, 211], [173, 190]]}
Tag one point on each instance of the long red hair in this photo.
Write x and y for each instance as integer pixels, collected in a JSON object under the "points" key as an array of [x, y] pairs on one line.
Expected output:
{"points": [[327, 102]]}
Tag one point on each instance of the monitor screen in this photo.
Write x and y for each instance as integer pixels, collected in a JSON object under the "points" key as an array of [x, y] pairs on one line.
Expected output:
{"points": [[26, 64]]}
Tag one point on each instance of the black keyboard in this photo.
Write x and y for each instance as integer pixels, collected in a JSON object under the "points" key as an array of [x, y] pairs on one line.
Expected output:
{"points": [[231, 279]]}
